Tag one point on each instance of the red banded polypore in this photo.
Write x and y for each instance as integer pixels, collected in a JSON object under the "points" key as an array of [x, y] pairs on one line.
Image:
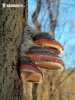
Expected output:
{"points": [[44, 58], [46, 40], [30, 72]]}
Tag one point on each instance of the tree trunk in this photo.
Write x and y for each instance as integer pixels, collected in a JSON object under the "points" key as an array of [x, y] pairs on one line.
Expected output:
{"points": [[13, 20]]}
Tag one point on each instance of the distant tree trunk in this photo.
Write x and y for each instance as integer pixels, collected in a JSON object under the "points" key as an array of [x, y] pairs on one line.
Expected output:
{"points": [[13, 21]]}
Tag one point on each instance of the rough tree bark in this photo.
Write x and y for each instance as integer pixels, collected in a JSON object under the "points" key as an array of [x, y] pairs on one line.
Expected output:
{"points": [[13, 20]]}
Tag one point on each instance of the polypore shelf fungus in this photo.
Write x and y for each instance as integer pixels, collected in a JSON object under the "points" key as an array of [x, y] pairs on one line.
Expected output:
{"points": [[39, 49], [29, 71], [44, 58], [46, 40]]}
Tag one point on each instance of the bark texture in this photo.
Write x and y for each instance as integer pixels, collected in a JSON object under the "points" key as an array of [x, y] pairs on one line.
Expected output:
{"points": [[12, 24]]}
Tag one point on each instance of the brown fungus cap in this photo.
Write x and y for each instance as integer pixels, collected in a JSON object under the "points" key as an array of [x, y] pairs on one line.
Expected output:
{"points": [[30, 72], [46, 40], [44, 58]]}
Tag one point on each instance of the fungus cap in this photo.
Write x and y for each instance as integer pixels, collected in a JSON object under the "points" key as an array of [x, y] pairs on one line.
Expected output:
{"points": [[44, 58], [46, 40]]}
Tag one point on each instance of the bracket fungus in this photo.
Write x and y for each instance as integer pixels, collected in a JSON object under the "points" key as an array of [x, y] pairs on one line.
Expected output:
{"points": [[46, 40], [44, 58], [38, 49], [29, 72]]}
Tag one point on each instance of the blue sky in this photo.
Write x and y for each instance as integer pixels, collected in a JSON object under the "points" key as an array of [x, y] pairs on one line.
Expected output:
{"points": [[65, 28]]}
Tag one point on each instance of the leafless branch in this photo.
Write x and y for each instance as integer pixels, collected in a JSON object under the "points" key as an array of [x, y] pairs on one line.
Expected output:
{"points": [[53, 21], [35, 15]]}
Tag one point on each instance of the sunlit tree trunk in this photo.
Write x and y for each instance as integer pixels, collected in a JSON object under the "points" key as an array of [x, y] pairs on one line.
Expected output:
{"points": [[12, 22]]}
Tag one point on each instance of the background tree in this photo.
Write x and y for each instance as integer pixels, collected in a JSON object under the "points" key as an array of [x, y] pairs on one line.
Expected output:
{"points": [[53, 21]]}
